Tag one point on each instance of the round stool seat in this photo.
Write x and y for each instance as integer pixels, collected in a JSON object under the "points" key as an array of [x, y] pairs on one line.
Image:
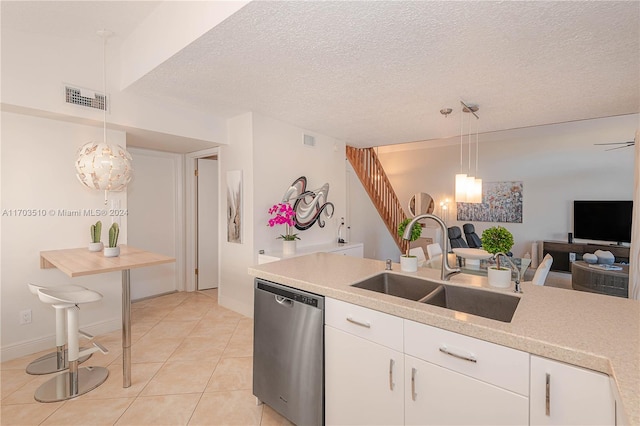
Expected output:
{"points": [[33, 288], [72, 296], [56, 361]]}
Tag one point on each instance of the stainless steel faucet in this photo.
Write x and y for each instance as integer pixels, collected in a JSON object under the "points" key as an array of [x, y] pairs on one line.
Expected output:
{"points": [[446, 271], [512, 266]]}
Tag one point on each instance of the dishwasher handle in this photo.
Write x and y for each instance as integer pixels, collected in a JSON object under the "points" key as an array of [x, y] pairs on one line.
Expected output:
{"points": [[283, 300]]}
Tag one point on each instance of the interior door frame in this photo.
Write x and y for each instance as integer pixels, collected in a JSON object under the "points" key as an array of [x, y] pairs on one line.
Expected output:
{"points": [[192, 215]]}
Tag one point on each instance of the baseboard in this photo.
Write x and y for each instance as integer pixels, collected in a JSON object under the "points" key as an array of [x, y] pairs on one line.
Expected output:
{"points": [[29, 347]]}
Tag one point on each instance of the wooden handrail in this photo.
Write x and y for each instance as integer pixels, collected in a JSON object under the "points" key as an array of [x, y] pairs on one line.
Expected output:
{"points": [[374, 180]]}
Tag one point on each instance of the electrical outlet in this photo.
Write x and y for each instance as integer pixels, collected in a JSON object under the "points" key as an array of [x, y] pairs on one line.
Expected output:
{"points": [[572, 257], [25, 317]]}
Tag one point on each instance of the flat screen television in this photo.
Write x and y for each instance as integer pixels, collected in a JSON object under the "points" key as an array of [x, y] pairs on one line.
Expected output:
{"points": [[603, 220]]}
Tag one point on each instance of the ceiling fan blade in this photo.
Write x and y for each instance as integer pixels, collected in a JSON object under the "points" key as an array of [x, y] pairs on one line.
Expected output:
{"points": [[619, 147], [628, 143]]}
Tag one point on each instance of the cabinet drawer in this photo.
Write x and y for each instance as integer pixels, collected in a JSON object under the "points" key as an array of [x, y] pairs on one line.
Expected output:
{"points": [[372, 325], [501, 366]]}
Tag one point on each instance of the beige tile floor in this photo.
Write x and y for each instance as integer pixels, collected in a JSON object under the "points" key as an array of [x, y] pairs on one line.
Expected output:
{"points": [[192, 365]]}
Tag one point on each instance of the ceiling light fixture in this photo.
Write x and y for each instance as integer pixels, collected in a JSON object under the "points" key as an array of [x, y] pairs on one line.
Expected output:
{"points": [[468, 189], [100, 165]]}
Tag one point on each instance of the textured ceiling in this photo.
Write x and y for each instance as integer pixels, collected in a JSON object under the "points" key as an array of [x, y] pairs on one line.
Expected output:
{"points": [[378, 72]]}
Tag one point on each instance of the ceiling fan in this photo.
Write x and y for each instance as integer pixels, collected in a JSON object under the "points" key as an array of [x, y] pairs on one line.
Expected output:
{"points": [[623, 145]]}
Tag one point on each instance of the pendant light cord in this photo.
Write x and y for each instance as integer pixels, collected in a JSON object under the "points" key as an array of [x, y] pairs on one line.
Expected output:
{"points": [[104, 85]]}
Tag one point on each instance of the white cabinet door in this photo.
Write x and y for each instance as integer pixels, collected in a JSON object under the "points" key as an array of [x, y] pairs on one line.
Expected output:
{"points": [[363, 381], [562, 394], [438, 396]]}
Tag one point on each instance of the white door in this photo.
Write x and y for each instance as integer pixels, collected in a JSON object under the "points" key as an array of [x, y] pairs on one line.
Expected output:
{"points": [[153, 222], [207, 225], [363, 381], [438, 396], [563, 394]]}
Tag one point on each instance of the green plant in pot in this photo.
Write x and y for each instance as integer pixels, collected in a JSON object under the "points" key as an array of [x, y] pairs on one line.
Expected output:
{"points": [[498, 240], [113, 250], [96, 234], [407, 262]]}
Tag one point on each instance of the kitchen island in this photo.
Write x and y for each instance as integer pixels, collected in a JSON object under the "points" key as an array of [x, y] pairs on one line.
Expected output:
{"points": [[596, 332]]}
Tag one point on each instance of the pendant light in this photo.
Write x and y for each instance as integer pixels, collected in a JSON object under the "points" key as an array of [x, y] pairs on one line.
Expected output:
{"points": [[100, 165], [461, 178], [468, 189]]}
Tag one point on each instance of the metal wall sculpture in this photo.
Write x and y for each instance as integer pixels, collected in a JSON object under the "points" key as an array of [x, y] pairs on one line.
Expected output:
{"points": [[309, 205]]}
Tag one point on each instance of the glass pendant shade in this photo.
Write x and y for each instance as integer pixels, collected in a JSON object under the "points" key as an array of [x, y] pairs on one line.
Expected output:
{"points": [[461, 188], [475, 195], [103, 166]]}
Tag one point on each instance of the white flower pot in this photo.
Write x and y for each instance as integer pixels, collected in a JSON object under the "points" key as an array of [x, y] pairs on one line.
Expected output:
{"points": [[96, 246], [408, 264], [112, 251], [289, 248], [499, 277]]}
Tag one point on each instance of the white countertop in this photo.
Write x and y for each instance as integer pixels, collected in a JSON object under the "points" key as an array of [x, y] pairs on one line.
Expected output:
{"points": [[594, 331]]}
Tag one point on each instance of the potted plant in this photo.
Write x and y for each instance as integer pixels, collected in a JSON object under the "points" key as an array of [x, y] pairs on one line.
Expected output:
{"points": [[409, 263], [96, 232], [497, 240], [284, 215], [113, 250]]}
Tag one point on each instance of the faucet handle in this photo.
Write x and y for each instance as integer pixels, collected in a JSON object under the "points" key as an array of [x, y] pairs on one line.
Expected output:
{"points": [[388, 265]]}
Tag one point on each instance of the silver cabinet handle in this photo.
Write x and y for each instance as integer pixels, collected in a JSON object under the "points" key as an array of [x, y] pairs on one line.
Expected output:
{"points": [[413, 384], [547, 398], [360, 323], [469, 357], [391, 384]]}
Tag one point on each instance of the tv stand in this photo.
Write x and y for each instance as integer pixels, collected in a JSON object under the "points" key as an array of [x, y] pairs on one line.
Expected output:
{"points": [[561, 251]]}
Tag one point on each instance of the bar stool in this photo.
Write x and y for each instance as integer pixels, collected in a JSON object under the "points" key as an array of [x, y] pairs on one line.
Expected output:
{"points": [[56, 361], [76, 381]]}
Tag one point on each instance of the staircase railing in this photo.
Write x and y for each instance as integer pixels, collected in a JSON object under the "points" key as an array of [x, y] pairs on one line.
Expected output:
{"points": [[374, 180]]}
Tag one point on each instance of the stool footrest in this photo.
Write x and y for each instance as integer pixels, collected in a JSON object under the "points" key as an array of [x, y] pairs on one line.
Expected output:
{"points": [[96, 347], [86, 335]]}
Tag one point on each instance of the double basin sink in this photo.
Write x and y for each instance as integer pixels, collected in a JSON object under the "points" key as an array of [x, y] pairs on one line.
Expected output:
{"points": [[483, 303]]}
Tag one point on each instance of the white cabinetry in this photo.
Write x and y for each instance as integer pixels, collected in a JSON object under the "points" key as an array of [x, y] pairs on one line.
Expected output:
{"points": [[363, 366], [562, 394], [455, 379], [381, 369], [346, 249]]}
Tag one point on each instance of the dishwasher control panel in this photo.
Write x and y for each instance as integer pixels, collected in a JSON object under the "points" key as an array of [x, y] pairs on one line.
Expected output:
{"points": [[306, 299]]}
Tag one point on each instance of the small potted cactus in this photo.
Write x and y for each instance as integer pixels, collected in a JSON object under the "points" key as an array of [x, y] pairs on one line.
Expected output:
{"points": [[96, 232], [113, 250]]}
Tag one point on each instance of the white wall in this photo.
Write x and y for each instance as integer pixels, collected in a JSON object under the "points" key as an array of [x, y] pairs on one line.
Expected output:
{"points": [[556, 163], [236, 287], [281, 158], [155, 214], [38, 172], [271, 156], [35, 69]]}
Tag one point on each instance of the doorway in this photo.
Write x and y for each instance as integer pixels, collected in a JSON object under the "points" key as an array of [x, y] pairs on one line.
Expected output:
{"points": [[207, 222]]}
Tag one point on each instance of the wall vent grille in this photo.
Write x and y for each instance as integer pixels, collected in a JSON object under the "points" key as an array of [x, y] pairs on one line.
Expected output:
{"points": [[85, 97]]}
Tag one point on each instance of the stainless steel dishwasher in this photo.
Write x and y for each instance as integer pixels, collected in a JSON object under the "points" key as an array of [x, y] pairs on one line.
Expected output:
{"points": [[288, 352]]}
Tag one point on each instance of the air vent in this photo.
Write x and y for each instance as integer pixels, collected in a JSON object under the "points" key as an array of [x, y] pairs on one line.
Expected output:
{"points": [[309, 140], [85, 97]]}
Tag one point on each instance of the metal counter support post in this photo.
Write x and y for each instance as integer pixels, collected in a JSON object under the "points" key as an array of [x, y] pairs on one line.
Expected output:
{"points": [[126, 328]]}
